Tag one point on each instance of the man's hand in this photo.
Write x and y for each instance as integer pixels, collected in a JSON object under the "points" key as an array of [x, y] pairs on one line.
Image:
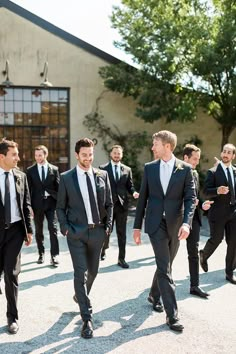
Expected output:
{"points": [[207, 204], [183, 232], [196, 202], [29, 239], [223, 190], [137, 237], [135, 195], [217, 161]]}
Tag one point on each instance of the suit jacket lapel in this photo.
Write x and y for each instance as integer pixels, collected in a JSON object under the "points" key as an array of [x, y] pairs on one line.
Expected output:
{"points": [[174, 176], [76, 184], [18, 187], [222, 172], [157, 175]]}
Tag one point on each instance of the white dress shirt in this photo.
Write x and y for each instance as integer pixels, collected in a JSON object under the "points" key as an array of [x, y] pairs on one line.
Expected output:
{"points": [[15, 213], [166, 169], [84, 190], [230, 171], [45, 165]]}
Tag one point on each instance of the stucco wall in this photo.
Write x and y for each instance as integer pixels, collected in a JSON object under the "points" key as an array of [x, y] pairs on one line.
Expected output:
{"points": [[28, 46]]}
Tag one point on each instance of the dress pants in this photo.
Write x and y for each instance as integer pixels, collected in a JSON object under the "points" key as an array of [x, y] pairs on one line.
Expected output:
{"points": [[48, 210], [85, 250], [224, 224], [165, 248], [192, 243], [120, 216], [11, 241]]}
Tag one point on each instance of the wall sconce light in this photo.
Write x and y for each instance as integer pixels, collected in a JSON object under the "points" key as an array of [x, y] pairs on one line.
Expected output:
{"points": [[5, 72], [44, 74]]}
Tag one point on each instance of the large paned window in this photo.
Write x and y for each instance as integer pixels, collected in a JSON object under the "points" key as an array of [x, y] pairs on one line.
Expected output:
{"points": [[33, 116]]}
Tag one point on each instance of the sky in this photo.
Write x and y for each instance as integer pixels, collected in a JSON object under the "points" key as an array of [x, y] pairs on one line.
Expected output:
{"points": [[85, 19]]}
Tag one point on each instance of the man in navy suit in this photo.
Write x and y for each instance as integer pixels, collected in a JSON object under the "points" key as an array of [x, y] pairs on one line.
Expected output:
{"points": [[84, 209], [167, 199], [15, 225], [43, 179], [191, 155], [220, 186], [121, 181]]}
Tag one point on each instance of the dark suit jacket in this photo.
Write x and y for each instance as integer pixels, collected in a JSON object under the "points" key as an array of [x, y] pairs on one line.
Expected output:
{"points": [[36, 186], [70, 205], [23, 201], [178, 203], [198, 210], [215, 178], [124, 186]]}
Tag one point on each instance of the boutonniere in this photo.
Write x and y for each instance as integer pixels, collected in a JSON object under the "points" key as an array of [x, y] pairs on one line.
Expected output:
{"points": [[179, 167], [18, 179]]}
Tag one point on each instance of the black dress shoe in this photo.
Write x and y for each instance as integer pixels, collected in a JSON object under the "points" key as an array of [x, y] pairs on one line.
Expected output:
{"points": [[231, 278], [196, 290], [122, 263], [174, 324], [41, 259], [203, 261], [87, 330], [12, 327], [54, 261], [103, 256], [156, 305]]}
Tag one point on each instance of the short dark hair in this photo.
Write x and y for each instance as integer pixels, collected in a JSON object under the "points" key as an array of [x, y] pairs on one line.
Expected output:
{"points": [[41, 147], [85, 142], [189, 148], [116, 147], [6, 144]]}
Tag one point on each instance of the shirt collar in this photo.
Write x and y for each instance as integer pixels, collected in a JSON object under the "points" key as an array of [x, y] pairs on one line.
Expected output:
{"points": [[115, 164], [224, 167], [2, 171], [81, 172], [170, 163]]}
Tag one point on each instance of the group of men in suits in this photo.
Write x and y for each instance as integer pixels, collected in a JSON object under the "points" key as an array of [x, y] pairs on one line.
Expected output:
{"points": [[169, 201]]}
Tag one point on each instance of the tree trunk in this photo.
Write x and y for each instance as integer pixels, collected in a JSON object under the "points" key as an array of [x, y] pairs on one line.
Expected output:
{"points": [[226, 132]]}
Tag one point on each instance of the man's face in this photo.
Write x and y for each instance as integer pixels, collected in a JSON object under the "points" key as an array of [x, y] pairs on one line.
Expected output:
{"points": [[85, 157], [194, 159], [11, 159], [40, 157], [159, 148], [227, 155], [116, 154]]}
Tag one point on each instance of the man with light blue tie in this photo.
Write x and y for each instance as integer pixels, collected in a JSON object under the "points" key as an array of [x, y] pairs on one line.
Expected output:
{"points": [[167, 199], [121, 181]]}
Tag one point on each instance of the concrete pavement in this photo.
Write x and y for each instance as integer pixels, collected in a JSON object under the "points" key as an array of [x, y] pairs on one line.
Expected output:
{"points": [[123, 319]]}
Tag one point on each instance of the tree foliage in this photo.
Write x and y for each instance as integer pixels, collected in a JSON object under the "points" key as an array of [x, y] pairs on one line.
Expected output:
{"points": [[185, 52]]}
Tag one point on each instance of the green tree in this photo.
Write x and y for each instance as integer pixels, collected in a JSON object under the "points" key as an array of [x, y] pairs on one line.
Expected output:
{"points": [[185, 52]]}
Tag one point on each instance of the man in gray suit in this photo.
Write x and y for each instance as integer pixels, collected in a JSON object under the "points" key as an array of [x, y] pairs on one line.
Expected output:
{"points": [[167, 196], [84, 209]]}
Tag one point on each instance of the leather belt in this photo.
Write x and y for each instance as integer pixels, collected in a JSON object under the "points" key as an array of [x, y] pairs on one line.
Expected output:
{"points": [[7, 227], [93, 226], [46, 196]]}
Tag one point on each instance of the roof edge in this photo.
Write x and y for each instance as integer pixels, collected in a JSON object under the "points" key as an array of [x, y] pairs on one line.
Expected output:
{"points": [[18, 10]]}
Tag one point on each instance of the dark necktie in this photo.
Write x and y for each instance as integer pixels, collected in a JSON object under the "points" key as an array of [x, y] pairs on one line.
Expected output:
{"points": [[7, 201], [93, 204], [231, 188], [43, 174], [116, 173]]}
